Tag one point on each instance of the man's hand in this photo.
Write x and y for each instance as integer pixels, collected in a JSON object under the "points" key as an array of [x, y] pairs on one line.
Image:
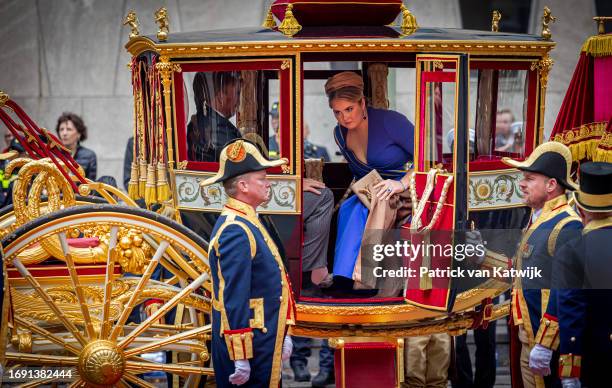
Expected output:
{"points": [[539, 360], [287, 348], [570, 382], [311, 185], [242, 372]]}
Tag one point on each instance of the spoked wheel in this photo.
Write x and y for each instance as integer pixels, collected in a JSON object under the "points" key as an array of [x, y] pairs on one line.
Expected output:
{"points": [[74, 316]]}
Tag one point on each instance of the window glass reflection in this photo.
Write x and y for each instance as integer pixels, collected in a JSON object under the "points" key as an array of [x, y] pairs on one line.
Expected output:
{"points": [[225, 105]]}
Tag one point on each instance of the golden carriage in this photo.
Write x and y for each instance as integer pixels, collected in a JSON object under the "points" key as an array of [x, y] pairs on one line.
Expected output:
{"points": [[75, 270]]}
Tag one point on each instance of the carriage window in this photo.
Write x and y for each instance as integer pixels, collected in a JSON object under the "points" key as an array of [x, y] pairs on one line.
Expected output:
{"points": [[437, 116], [498, 112], [225, 105], [387, 87]]}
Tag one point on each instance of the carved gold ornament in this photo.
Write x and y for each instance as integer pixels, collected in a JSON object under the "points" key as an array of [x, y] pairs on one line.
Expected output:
{"points": [[132, 20], [289, 25], [102, 363], [409, 23], [161, 18], [547, 18], [3, 98], [269, 21], [495, 21]]}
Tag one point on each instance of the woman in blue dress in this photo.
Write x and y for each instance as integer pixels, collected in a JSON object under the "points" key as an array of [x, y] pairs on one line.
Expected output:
{"points": [[369, 139]]}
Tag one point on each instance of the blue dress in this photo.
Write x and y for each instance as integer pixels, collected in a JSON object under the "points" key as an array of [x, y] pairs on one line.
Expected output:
{"points": [[390, 147]]}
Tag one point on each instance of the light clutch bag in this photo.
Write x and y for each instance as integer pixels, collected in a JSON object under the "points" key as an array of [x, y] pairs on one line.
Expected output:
{"points": [[363, 188]]}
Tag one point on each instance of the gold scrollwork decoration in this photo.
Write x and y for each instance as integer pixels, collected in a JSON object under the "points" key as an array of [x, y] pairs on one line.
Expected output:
{"points": [[543, 67], [3, 98]]}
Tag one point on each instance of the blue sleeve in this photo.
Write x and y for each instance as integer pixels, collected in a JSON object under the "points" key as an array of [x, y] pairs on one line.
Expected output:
{"points": [[401, 131], [235, 266], [568, 277]]}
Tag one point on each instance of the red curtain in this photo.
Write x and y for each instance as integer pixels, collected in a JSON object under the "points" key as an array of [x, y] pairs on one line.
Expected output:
{"points": [[578, 104], [603, 88]]}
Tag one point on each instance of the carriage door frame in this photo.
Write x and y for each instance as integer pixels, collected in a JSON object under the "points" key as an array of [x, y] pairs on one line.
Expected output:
{"points": [[430, 68]]}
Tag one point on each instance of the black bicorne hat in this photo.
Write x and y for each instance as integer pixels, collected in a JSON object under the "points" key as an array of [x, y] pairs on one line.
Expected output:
{"points": [[595, 192], [239, 157], [552, 159]]}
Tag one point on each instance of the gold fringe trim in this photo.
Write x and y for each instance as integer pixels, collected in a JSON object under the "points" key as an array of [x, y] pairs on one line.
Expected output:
{"points": [[163, 188], [133, 184], [603, 153], [150, 196], [598, 45], [142, 178], [583, 141]]}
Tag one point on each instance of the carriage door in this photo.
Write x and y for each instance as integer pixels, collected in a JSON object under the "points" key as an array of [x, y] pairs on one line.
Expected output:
{"points": [[440, 176]]}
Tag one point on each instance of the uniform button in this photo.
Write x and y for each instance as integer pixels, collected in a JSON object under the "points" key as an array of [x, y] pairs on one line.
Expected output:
{"points": [[547, 323], [573, 339], [280, 298], [610, 337]]}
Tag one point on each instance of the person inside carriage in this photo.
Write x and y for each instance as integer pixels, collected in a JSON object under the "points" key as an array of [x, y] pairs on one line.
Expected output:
{"points": [[210, 128], [373, 141]]}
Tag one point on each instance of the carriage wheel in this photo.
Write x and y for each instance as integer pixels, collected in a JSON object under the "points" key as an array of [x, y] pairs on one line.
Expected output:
{"points": [[69, 318]]}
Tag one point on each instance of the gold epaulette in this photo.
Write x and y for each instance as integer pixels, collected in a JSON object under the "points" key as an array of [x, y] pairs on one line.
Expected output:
{"points": [[554, 234]]}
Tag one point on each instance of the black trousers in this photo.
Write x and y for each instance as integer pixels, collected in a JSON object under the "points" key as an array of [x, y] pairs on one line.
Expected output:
{"points": [[484, 377]]}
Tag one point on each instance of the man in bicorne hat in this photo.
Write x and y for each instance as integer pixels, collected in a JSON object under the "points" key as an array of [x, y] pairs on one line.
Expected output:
{"points": [[534, 305], [252, 300], [585, 291]]}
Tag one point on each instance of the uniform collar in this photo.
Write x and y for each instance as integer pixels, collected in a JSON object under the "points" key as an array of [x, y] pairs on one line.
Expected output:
{"points": [[240, 207], [598, 224], [553, 204]]}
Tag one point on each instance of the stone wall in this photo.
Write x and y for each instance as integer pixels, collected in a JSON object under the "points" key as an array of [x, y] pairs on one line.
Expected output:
{"points": [[69, 55]]}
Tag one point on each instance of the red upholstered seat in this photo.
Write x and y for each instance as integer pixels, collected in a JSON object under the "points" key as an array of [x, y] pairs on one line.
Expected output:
{"points": [[366, 365], [340, 12]]}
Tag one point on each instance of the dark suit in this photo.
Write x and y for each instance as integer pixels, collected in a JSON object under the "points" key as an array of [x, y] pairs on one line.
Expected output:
{"points": [[127, 162], [252, 301], [585, 306], [86, 158], [207, 133]]}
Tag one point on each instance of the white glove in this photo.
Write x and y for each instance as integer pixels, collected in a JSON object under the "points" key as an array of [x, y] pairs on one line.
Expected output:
{"points": [[570, 382], [474, 238], [287, 348], [242, 372], [539, 360]]}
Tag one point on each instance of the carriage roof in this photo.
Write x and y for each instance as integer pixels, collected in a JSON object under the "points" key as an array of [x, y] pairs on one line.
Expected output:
{"points": [[350, 38]]}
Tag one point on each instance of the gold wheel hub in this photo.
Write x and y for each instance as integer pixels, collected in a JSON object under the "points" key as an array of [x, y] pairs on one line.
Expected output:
{"points": [[101, 363]]}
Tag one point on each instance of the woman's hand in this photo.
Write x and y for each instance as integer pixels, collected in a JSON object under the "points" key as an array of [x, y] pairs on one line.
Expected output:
{"points": [[387, 188]]}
